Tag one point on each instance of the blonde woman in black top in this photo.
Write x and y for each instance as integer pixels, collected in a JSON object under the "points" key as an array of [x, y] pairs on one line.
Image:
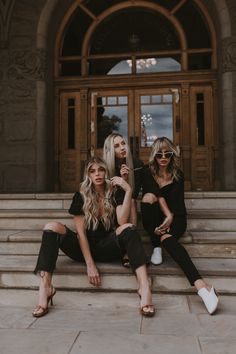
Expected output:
{"points": [[116, 153], [102, 234], [163, 178], [119, 160]]}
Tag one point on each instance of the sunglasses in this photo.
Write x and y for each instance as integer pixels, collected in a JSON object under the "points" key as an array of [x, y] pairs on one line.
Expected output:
{"points": [[166, 155]]}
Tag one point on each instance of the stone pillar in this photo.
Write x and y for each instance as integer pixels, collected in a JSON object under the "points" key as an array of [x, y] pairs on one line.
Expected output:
{"points": [[20, 70], [228, 122]]}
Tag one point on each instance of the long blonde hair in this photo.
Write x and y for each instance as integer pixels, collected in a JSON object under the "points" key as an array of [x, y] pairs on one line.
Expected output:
{"points": [[110, 158], [90, 197], [173, 167]]}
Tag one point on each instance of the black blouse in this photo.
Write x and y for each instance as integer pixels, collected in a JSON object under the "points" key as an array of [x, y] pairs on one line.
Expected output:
{"points": [[173, 192], [76, 208], [138, 176]]}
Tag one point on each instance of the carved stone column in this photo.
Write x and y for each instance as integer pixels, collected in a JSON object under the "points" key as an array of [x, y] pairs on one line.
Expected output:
{"points": [[20, 70], [228, 124]]}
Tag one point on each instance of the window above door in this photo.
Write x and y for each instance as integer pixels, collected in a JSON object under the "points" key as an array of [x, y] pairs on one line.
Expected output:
{"points": [[118, 37]]}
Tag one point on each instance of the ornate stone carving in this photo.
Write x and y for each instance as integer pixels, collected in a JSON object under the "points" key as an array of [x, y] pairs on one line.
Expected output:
{"points": [[6, 9], [27, 65], [229, 54], [22, 64], [21, 89]]}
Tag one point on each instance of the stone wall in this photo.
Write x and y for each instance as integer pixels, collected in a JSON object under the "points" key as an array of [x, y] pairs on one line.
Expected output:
{"points": [[21, 66]]}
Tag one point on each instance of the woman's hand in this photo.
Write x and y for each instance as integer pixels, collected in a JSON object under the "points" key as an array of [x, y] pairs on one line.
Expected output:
{"points": [[124, 171], [93, 274], [120, 182], [165, 226]]}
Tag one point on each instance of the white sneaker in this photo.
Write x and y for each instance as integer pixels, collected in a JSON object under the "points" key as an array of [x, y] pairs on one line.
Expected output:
{"points": [[156, 257], [209, 298]]}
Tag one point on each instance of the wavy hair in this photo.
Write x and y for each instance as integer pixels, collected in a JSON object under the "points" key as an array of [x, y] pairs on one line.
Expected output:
{"points": [[90, 197], [173, 167], [110, 158]]}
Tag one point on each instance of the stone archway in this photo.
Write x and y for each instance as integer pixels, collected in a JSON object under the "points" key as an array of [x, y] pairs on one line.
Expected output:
{"points": [[228, 61], [228, 66]]}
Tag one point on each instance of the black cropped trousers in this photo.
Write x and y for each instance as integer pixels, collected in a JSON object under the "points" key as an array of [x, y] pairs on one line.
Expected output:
{"points": [[152, 217], [107, 249]]}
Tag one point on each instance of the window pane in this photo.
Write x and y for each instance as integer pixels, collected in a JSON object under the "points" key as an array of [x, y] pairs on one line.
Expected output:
{"points": [[150, 65], [199, 61], [122, 100], [75, 33], [156, 99], [136, 29], [200, 119], [71, 68], [111, 118], [145, 99], [71, 126], [109, 67], [167, 98], [195, 27], [111, 101], [155, 121]]}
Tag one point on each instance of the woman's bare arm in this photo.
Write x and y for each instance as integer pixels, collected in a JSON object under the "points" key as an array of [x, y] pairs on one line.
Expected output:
{"points": [[92, 271], [123, 210]]}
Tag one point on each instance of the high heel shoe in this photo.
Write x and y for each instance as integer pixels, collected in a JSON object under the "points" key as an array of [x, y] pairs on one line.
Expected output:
{"points": [[44, 310], [147, 313], [210, 299]]}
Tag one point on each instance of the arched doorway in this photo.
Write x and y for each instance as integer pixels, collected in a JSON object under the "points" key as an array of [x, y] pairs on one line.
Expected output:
{"points": [[137, 67]]}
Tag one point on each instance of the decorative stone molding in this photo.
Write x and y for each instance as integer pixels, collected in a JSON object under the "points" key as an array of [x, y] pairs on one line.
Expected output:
{"points": [[6, 9], [27, 65], [19, 71], [23, 64], [229, 54]]}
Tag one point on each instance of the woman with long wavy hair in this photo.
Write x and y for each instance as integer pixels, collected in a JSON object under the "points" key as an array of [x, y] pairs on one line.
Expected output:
{"points": [[163, 178], [120, 162], [102, 234]]}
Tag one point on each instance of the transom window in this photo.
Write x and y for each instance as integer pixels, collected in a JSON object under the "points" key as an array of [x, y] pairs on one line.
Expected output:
{"points": [[118, 37]]}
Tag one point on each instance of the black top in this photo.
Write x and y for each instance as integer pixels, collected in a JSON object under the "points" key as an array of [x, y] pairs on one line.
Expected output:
{"points": [[138, 175], [173, 192], [76, 208]]}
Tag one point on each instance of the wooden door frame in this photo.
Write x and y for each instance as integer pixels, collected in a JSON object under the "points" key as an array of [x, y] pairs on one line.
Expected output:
{"points": [[182, 81]]}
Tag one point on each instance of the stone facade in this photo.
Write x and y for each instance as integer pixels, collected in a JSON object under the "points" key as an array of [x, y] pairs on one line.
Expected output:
{"points": [[27, 35]]}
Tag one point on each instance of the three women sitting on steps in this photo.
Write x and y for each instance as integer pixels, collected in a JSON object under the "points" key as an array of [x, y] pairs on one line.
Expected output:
{"points": [[103, 233]]}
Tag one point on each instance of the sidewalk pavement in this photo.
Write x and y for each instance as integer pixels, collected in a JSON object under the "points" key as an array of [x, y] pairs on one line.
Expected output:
{"points": [[110, 323]]}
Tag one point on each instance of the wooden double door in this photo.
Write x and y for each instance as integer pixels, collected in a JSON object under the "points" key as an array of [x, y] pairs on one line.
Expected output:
{"points": [[183, 114]]}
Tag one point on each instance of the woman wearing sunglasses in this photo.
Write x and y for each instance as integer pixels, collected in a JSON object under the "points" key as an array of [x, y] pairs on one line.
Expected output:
{"points": [[102, 234], [163, 178]]}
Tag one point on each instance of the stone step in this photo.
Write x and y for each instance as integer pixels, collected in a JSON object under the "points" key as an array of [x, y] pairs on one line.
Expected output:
{"points": [[194, 200], [210, 220], [16, 272], [201, 244], [226, 237], [194, 250]]}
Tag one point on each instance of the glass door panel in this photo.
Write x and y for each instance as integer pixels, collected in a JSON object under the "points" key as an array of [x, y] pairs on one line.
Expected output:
{"points": [[155, 117], [110, 111]]}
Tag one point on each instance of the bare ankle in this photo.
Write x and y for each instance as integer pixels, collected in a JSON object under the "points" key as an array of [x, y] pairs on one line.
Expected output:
{"points": [[200, 283], [46, 279]]}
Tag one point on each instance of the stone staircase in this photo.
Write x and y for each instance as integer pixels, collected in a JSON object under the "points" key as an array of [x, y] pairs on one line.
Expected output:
{"points": [[210, 240]]}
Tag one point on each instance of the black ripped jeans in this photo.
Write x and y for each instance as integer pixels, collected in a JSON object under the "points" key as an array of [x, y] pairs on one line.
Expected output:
{"points": [[152, 217], [108, 249]]}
